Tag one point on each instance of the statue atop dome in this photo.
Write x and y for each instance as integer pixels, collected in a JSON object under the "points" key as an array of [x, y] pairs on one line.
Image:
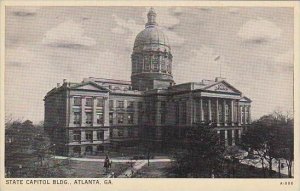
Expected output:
{"points": [[151, 18]]}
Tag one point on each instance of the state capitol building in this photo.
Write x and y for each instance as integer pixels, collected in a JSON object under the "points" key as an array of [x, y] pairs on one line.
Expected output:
{"points": [[96, 114]]}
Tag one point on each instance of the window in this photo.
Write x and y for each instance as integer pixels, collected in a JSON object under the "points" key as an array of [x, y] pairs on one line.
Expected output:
{"points": [[130, 104], [100, 102], [77, 101], [88, 118], [99, 117], [76, 135], [130, 118], [163, 65], [120, 118], [77, 116], [120, 132], [111, 104], [89, 102], [146, 63], [100, 135], [111, 118], [120, 104], [155, 67], [89, 135]]}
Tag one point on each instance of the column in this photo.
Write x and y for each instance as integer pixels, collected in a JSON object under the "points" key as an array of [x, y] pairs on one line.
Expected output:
{"points": [[82, 111], [224, 112], [70, 136], [209, 110], [95, 136], [83, 136], [201, 110], [217, 107], [225, 138], [232, 112], [71, 113], [106, 111], [240, 134], [233, 137], [249, 113], [115, 112], [244, 117], [238, 114], [194, 106], [94, 111]]}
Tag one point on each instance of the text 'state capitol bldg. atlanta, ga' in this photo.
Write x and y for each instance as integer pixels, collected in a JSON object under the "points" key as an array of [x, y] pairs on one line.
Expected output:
{"points": [[89, 117]]}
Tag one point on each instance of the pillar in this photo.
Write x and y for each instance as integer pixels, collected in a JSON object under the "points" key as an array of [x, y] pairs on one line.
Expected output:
{"points": [[201, 110], [238, 114], [194, 106], [71, 113], [106, 111], [232, 112], [217, 106], [225, 138], [70, 136], [82, 111], [82, 150], [95, 136], [249, 113], [233, 137], [94, 111], [244, 117], [224, 112], [209, 110], [83, 136], [240, 134]]}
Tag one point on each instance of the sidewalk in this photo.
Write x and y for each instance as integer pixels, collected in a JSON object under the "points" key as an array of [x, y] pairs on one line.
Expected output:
{"points": [[112, 159]]}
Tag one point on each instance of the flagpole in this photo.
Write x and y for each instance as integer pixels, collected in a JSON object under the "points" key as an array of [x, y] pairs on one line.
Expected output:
{"points": [[216, 59]]}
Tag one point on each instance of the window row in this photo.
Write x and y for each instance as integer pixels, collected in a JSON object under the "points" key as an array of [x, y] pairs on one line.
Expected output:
{"points": [[88, 102], [89, 118], [121, 118], [77, 136], [121, 104]]}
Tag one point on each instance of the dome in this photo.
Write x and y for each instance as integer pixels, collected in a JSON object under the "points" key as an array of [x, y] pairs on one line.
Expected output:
{"points": [[152, 37]]}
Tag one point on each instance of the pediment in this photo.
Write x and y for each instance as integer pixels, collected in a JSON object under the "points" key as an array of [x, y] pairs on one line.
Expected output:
{"points": [[90, 86], [222, 87]]}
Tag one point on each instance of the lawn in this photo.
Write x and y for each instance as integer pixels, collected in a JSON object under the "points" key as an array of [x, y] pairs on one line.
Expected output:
{"points": [[87, 169], [154, 170]]}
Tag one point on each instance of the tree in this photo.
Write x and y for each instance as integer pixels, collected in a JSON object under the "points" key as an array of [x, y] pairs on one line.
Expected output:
{"points": [[270, 138], [203, 153], [25, 144]]}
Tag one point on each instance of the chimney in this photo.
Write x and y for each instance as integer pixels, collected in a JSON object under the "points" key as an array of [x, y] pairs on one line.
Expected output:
{"points": [[65, 80]]}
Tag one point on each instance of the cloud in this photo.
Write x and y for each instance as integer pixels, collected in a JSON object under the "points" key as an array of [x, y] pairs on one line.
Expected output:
{"points": [[24, 11], [259, 31], [68, 34]]}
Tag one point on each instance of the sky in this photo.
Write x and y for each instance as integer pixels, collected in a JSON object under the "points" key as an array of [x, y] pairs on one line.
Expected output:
{"points": [[44, 45]]}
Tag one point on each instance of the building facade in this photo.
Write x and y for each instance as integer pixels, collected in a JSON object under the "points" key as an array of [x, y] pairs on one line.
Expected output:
{"points": [[90, 116]]}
